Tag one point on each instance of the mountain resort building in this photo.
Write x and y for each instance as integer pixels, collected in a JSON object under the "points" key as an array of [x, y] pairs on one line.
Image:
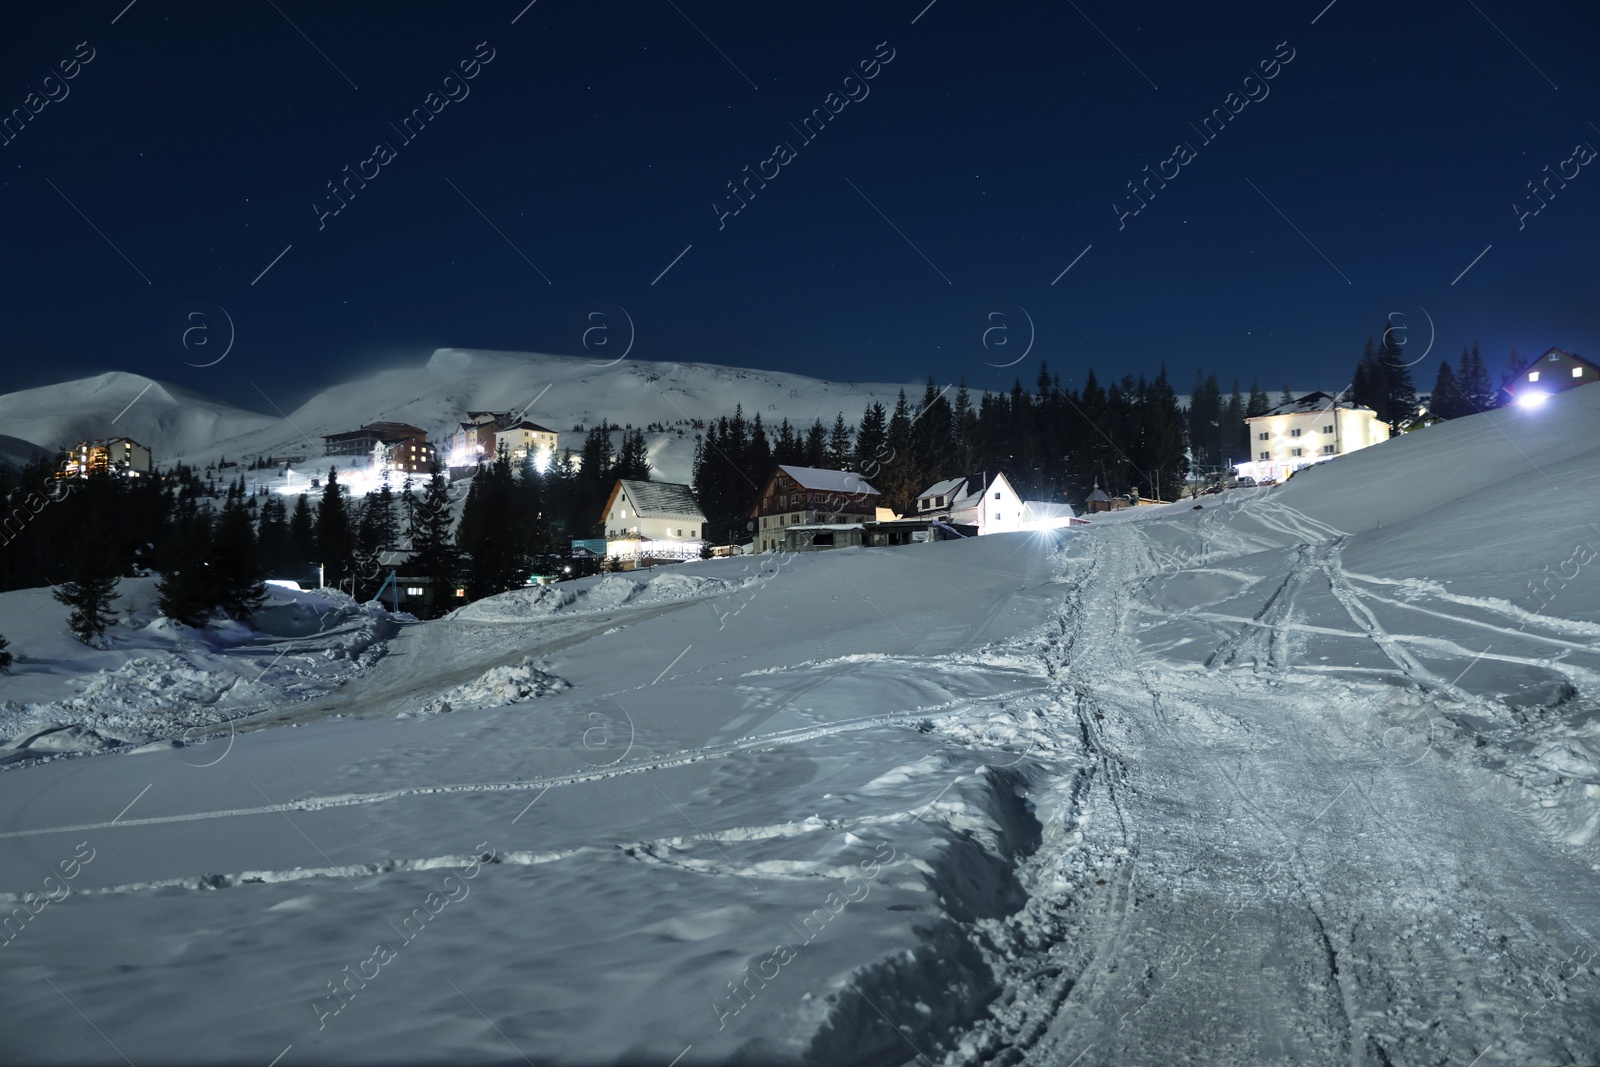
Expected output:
{"points": [[117, 455], [1308, 430], [809, 496]]}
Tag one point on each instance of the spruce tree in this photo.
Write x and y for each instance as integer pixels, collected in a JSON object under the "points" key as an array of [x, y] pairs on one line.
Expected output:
{"points": [[816, 445], [497, 560], [1515, 365], [841, 444], [1236, 432], [1446, 400], [189, 591], [1258, 404], [272, 537], [1369, 386], [633, 462], [1476, 389], [5, 657], [1401, 399], [435, 555], [335, 538], [236, 564], [872, 439], [89, 593], [302, 547]]}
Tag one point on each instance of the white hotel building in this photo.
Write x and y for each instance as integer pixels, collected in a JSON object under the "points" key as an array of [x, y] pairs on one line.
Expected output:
{"points": [[1309, 430]]}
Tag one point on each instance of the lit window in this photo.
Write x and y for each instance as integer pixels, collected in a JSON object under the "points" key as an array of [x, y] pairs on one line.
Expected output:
{"points": [[1533, 376], [1577, 372], [413, 590]]}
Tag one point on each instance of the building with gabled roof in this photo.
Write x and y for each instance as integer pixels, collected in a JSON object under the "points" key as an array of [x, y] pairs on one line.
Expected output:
{"points": [[1554, 372], [652, 522], [810, 495], [988, 503], [522, 438], [474, 439]]}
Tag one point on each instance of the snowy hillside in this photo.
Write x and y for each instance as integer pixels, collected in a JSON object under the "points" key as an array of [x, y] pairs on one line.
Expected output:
{"points": [[556, 391], [1304, 775], [171, 421]]}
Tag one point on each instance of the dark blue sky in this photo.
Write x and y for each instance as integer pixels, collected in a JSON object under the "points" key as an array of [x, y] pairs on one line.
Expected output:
{"points": [[980, 161]]}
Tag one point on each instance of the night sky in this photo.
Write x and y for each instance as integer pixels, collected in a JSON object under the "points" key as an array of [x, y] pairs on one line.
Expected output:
{"points": [[584, 167]]}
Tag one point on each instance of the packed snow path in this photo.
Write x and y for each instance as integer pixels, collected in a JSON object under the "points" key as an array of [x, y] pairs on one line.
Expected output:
{"points": [[1288, 878], [1307, 776]]}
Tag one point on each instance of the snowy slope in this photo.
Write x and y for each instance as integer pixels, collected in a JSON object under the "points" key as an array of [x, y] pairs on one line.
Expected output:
{"points": [[169, 420], [1309, 775]]}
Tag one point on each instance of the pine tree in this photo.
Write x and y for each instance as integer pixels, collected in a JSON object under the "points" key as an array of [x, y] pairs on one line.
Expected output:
{"points": [[816, 445], [1236, 435], [335, 538], [436, 558], [272, 537], [189, 590], [841, 442], [1476, 390], [1369, 386], [1446, 400], [872, 440], [1515, 365], [634, 460], [236, 564], [302, 547], [89, 593], [964, 430], [497, 558], [899, 480], [5, 657], [1401, 400], [1258, 404], [758, 461]]}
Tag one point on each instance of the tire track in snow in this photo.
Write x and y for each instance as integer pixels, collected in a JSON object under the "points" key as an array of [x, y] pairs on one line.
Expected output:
{"points": [[679, 759]]}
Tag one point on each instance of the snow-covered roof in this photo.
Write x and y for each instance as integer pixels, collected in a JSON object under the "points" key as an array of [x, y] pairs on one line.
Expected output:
{"points": [[826, 481], [660, 499], [953, 489], [1318, 401], [825, 526], [1047, 509]]}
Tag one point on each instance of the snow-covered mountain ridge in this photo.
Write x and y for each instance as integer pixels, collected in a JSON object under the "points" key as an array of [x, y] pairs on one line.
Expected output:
{"points": [[556, 391]]}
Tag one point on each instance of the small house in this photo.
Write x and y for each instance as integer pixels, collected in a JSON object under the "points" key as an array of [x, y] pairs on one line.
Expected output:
{"points": [[988, 503], [652, 522], [1554, 372]]}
